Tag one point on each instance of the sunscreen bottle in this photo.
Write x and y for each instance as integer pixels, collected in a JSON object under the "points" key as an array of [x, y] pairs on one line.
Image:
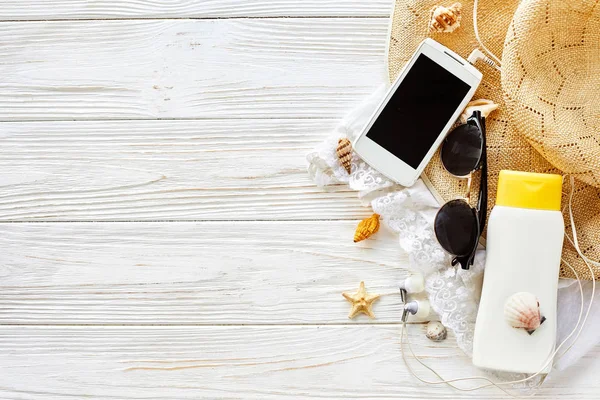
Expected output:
{"points": [[516, 322]]}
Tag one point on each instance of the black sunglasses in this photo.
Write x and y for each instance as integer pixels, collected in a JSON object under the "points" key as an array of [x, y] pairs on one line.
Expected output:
{"points": [[458, 225]]}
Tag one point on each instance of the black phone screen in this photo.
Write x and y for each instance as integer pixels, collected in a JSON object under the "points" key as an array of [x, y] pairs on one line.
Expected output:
{"points": [[418, 111]]}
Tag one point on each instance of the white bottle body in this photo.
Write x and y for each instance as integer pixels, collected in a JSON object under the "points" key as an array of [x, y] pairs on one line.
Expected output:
{"points": [[523, 254]]}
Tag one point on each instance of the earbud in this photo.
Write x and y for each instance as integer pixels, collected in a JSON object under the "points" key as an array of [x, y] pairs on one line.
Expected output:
{"points": [[412, 284], [418, 308]]}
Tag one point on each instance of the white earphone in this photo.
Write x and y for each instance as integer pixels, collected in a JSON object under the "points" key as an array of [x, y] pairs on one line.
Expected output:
{"points": [[418, 308]]}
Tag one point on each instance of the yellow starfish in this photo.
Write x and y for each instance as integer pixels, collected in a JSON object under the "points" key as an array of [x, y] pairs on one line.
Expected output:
{"points": [[361, 301]]}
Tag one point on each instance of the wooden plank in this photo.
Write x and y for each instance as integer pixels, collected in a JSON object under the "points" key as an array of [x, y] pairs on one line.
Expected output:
{"points": [[193, 273], [147, 69], [274, 362], [105, 9], [166, 170]]}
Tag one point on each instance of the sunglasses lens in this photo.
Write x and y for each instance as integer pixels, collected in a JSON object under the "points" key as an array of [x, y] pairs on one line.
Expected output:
{"points": [[456, 227], [462, 150]]}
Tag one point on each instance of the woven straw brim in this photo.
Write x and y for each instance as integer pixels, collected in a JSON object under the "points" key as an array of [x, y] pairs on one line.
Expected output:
{"points": [[507, 147]]}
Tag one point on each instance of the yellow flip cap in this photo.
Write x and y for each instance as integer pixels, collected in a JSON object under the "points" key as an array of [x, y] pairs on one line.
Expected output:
{"points": [[529, 190]]}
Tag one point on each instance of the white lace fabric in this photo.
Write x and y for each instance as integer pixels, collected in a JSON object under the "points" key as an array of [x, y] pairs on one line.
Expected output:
{"points": [[454, 293]]}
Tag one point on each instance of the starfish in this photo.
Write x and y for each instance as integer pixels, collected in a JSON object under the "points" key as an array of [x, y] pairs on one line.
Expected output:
{"points": [[361, 302]]}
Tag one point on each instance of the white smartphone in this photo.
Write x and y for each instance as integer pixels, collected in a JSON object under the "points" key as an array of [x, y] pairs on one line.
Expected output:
{"points": [[417, 112]]}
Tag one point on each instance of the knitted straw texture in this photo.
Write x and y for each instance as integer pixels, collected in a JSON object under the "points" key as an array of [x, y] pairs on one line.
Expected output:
{"points": [[551, 79], [507, 145]]}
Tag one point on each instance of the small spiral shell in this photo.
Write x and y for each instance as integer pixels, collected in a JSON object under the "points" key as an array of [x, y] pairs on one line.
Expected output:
{"points": [[366, 227], [445, 19], [344, 153]]}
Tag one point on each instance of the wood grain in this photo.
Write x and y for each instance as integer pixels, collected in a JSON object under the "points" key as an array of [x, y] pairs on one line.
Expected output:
{"points": [[105, 9], [166, 170], [333, 362], [193, 273], [148, 69], [206, 115]]}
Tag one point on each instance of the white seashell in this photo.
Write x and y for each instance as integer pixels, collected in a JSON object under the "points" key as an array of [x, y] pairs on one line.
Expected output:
{"points": [[436, 331], [485, 106], [445, 19], [522, 310]]}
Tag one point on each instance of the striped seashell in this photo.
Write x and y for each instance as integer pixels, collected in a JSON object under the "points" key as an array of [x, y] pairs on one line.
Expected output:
{"points": [[366, 227], [522, 310], [344, 153], [445, 19]]}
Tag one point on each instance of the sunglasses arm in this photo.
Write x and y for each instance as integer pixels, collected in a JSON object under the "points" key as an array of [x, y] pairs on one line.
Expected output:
{"points": [[483, 186]]}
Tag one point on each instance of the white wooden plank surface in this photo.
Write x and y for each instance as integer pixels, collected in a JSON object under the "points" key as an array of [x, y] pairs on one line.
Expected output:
{"points": [[105, 9], [321, 362], [146, 69], [253, 95], [193, 273], [167, 170]]}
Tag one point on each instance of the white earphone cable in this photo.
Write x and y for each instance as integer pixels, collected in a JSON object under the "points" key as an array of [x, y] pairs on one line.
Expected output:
{"points": [[449, 382], [496, 59], [575, 243], [550, 358]]}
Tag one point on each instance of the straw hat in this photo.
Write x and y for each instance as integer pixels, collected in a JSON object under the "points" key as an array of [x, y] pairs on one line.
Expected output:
{"points": [[548, 94]]}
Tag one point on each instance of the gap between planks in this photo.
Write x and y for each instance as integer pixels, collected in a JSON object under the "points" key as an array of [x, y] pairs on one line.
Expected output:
{"points": [[192, 119], [36, 10], [197, 18], [257, 325]]}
